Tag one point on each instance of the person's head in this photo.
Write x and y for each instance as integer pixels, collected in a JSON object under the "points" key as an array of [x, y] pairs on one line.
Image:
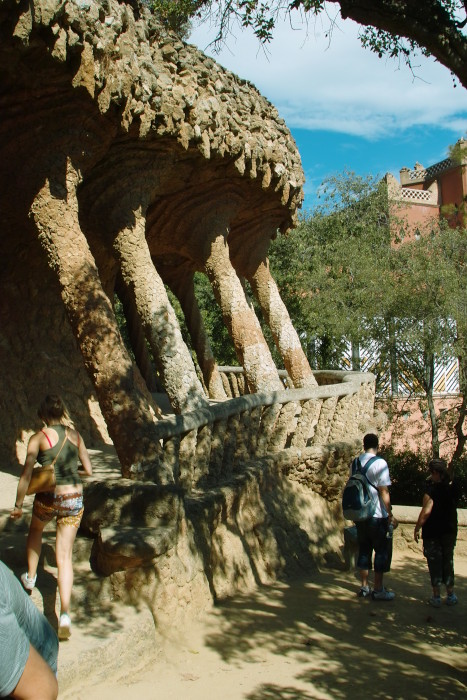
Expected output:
{"points": [[370, 442], [52, 410], [439, 466]]}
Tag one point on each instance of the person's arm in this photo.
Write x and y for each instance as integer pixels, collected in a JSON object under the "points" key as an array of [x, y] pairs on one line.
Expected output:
{"points": [[427, 507], [386, 500], [37, 681], [451, 470], [25, 478], [24, 673], [85, 466], [84, 456]]}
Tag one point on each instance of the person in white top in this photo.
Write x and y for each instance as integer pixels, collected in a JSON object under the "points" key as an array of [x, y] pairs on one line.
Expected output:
{"points": [[372, 534]]}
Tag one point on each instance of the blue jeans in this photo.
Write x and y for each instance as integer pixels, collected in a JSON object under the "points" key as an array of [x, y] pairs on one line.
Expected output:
{"points": [[371, 536]]}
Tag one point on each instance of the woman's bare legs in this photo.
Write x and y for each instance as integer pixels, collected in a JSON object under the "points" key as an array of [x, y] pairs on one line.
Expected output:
{"points": [[34, 545], [66, 535]]}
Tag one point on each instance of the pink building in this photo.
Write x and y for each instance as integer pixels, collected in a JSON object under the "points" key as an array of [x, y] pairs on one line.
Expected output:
{"points": [[424, 194], [421, 196]]}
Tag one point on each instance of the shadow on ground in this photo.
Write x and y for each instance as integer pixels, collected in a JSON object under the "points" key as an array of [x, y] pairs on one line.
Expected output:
{"points": [[347, 647]]}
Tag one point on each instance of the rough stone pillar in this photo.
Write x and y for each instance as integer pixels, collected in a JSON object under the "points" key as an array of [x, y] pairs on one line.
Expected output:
{"points": [[184, 289], [159, 321], [128, 411], [137, 336], [256, 270], [285, 336], [242, 323]]}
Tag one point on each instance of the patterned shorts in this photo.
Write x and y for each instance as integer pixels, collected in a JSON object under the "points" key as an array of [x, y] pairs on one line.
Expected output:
{"points": [[66, 507]]}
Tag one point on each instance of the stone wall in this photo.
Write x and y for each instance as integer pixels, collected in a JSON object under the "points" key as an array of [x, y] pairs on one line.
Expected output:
{"points": [[180, 553], [128, 157], [252, 516], [109, 120]]}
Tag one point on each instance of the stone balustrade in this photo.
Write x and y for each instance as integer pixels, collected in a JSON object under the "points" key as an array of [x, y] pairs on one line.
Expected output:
{"points": [[206, 445], [255, 494]]}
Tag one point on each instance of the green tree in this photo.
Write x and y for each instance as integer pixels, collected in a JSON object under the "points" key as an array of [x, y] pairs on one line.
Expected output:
{"points": [[394, 28], [328, 269], [221, 343], [176, 15], [345, 277], [429, 286]]}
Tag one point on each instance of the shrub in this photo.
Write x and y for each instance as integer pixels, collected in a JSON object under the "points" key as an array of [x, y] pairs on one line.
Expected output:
{"points": [[460, 475], [409, 474]]}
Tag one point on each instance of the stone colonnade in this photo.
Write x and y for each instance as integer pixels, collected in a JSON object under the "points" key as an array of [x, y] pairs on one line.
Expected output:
{"points": [[129, 161]]}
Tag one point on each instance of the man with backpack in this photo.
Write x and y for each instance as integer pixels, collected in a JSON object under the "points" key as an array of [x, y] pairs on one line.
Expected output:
{"points": [[370, 508]]}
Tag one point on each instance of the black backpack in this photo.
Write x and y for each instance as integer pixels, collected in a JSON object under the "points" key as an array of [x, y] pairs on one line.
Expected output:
{"points": [[357, 504]]}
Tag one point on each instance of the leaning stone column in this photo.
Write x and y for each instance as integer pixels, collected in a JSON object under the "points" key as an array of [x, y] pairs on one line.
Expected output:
{"points": [[159, 321], [127, 409], [285, 336], [277, 317], [242, 323], [288, 343], [137, 336], [184, 289]]}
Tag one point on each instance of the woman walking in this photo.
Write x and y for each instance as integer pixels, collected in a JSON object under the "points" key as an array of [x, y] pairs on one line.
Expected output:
{"points": [[438, 523], [61, 446]]}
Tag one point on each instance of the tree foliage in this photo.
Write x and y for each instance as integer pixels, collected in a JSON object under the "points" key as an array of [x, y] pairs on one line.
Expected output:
{"points": [[345, 276], [329, 268], [221, 343], [430, 281], [176, 15], [409, 476], [394, 28]]}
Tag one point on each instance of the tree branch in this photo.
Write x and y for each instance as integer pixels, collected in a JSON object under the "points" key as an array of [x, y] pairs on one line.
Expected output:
{"points": [[428, 24]]}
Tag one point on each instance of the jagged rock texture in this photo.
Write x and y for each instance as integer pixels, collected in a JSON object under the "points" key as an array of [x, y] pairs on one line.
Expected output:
{"points": [[107, 119]]}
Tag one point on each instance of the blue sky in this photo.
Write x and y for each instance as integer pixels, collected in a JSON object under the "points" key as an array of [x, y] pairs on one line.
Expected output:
{"points": [[345, 107]]}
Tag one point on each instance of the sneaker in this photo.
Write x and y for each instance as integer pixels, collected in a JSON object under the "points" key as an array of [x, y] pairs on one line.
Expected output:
{"points": [[64, 627], [28, 583], [451, 599], [435, 601], [364, 592], [383, 594]]}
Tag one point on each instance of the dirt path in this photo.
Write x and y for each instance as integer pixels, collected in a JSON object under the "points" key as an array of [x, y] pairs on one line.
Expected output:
{"points": [[308, 640]]}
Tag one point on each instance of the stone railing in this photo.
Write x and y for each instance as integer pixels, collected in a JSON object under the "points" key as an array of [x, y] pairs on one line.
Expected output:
{"points": [[236, 507], [207, 445], [233, 379]]}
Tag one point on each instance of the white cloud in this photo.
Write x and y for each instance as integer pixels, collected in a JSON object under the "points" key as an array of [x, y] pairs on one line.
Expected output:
{"points": [[335, 84]]}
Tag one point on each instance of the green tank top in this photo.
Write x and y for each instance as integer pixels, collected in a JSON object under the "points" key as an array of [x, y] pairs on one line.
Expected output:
{"points": [[66, 466]]}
